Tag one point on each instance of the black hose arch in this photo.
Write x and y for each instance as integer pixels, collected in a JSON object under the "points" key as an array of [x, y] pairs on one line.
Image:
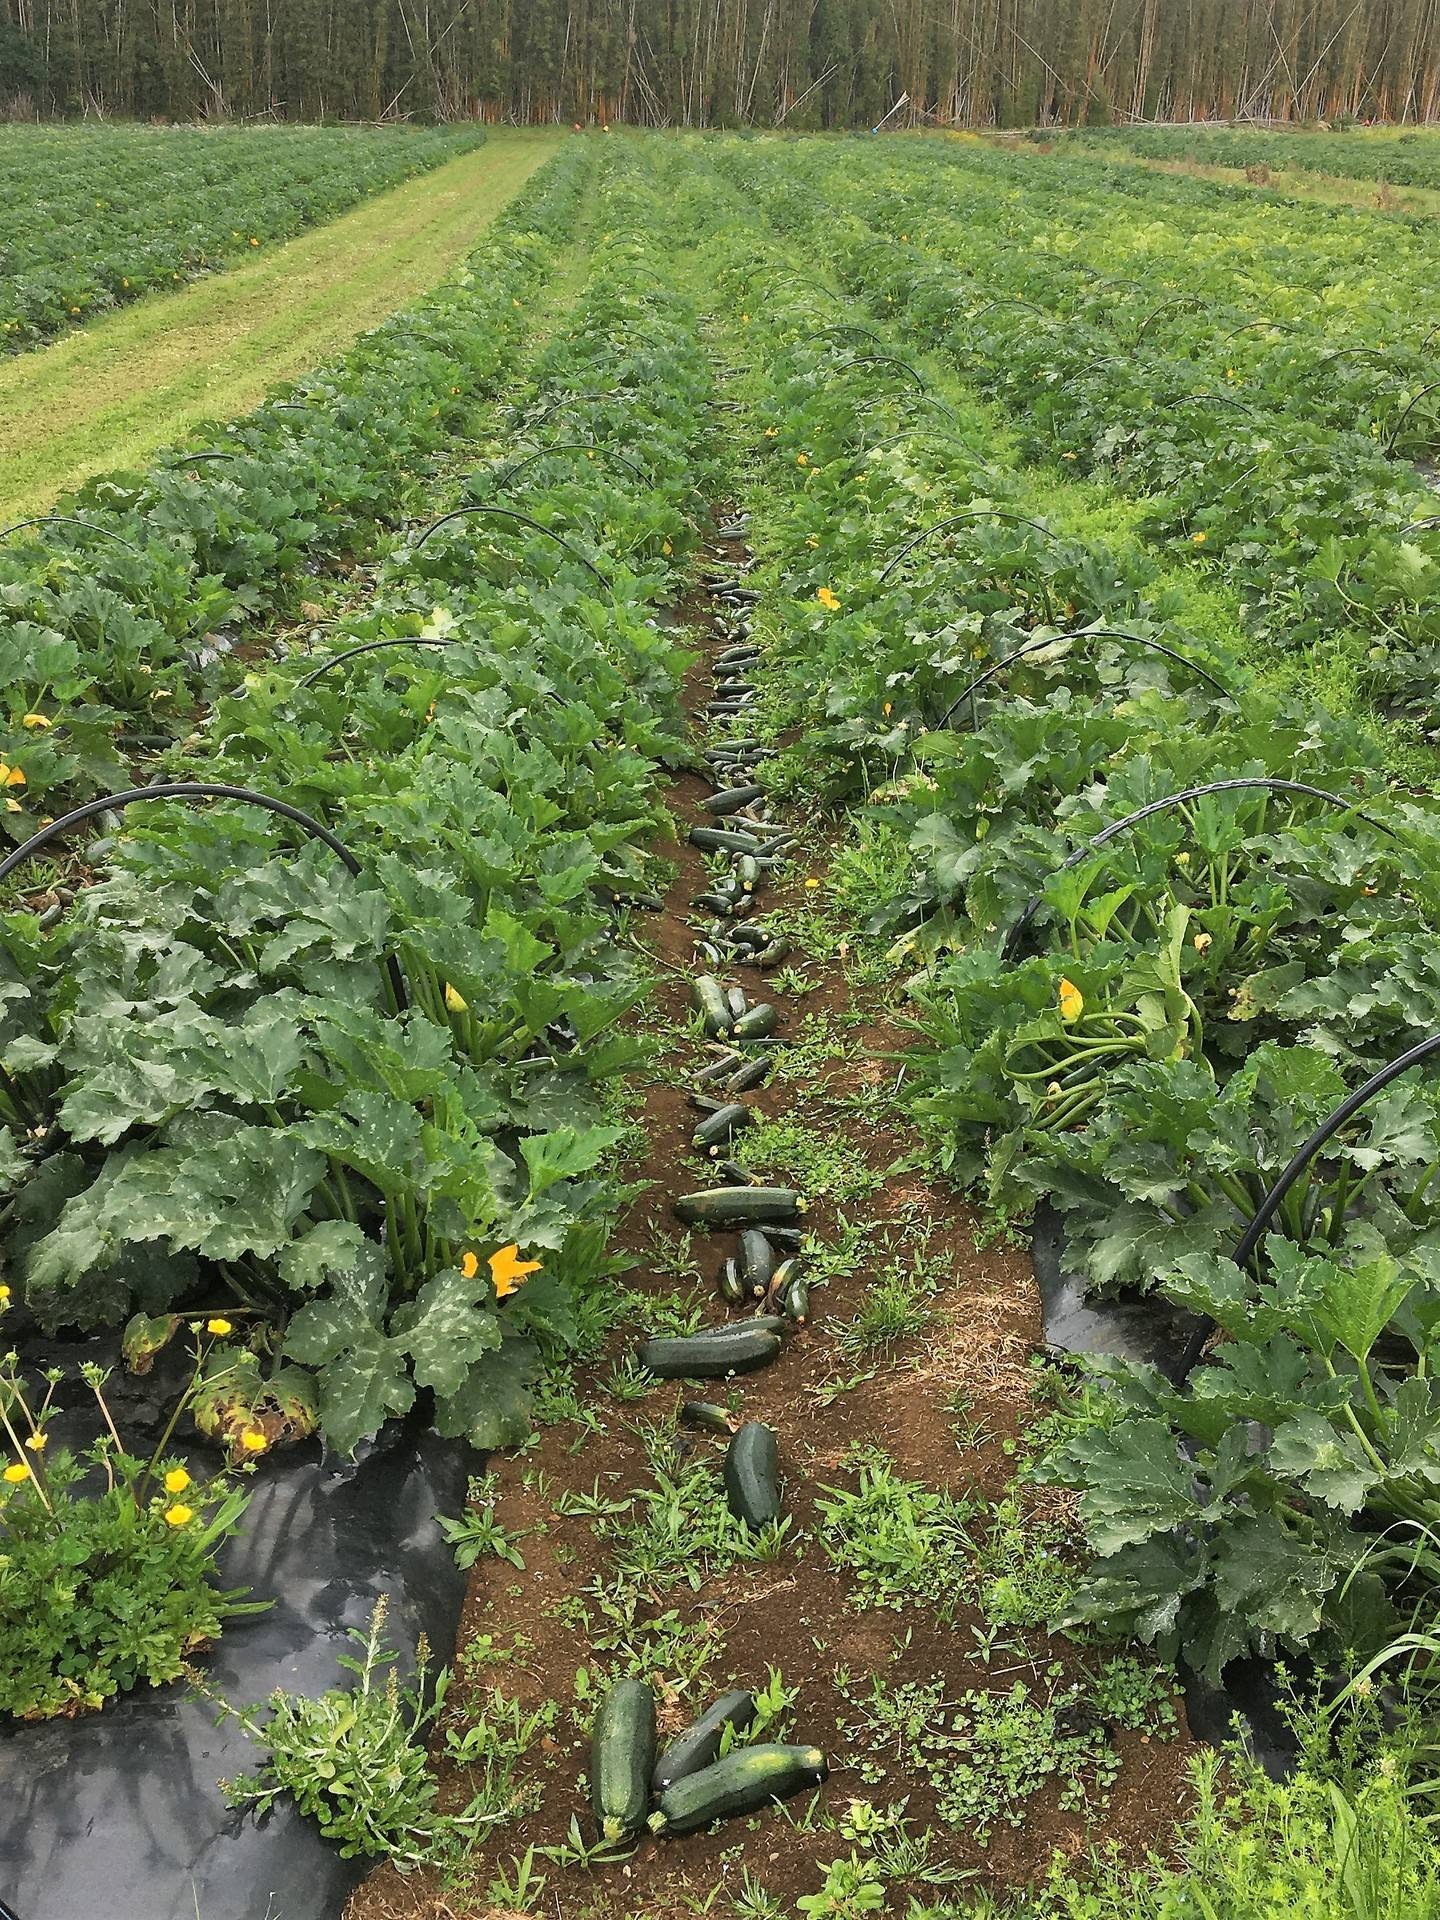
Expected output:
{"points": [[1406, 411], [1093, 633], [1267, 782], [570, 446], [954, 520], [1250, 1239], [369, 646], [68, 520], [882, 360], [565, 400], [509, 513], [198, 790]]}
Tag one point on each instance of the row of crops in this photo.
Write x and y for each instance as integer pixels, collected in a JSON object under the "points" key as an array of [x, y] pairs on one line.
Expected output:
{"points": [[333, 770], [112, 213], [1163, 922], [1403, 159], [1259, 379], [322, 1082]]}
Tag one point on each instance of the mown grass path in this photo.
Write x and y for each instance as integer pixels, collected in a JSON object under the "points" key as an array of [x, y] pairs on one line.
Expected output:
{"points": [[142, 378]]}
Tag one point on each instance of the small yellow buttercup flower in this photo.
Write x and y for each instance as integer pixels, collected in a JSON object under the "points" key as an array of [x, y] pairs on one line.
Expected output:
{"points": [[255, 1440], [770, 432], [1072, 1001], [16, 1472], [34, 721], [812, 882], [830, 601], [219, 1328], [176, 1480], [37, 1442], [802, 459], [179, 1516], [1197, 539]]}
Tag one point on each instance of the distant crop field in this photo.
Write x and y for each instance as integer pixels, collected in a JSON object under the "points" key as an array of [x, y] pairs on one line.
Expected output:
{"points": [[1410, 159], [97, 216]]}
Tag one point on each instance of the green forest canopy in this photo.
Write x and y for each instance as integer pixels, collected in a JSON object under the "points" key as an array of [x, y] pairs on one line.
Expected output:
{"points": [[806, 63]]}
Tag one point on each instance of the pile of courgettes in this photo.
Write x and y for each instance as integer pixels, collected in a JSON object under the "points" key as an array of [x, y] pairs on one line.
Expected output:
{"points": [[764, 1273], [693, 1783]]}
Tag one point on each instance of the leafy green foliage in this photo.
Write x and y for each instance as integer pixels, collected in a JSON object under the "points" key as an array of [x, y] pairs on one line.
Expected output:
{"points": [[113, 213]]}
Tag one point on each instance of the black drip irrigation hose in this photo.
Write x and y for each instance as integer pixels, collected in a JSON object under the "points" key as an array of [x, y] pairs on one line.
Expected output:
{"points": [[1410, 406], [570, 446], [1066, 639], [1249, 1240], [565, 400], [68, 520], [1010, 944], [1189, 300], [509, 513], [830, 333], [193, 458], [1226, 399], [198, 790], [882, 360], [1008, 300], [369, 646], [954, 520]]}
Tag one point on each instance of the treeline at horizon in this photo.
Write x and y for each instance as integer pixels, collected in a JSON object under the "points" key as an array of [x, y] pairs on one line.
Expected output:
{"points": [[709, 63]]}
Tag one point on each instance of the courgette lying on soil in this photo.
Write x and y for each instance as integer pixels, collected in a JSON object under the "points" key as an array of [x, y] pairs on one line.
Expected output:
{"points": [[743, 1782], [709, 997], [727, 1206], [721, 1126], [707, 1417], [622, 1759], [752, 1475], [741, 1348], [699, 1745]]}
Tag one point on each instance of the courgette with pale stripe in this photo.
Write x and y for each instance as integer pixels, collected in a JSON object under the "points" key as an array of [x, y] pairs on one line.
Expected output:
{"points": [[622, 1759], [741, 1348], [728, 1206], [743, 1782], [699, 1745]]}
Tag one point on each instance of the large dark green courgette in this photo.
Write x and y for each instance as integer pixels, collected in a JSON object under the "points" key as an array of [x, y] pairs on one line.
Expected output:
{"points": [[709, 997], [699, 1745], [757, 1260], [758, 1023], [722, 1125], [740, 1348], [622, 1759], [729, 1206], [752, 1475], [743, 1782]]}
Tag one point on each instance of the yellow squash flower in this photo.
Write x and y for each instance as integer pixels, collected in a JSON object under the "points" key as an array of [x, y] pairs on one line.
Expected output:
{"points": [[179, 1516], [176, 1480], [219, 1328], [34, 721], [1072, 1001], [830, 601], [455, 1001], [507, 1269], [11, 776], [470, 1265], [4, 1293], [17, 1472]]}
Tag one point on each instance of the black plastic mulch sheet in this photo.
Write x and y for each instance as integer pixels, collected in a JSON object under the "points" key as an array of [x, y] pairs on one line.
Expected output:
{"points": [[1153, 1330], [117, 1815]]}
